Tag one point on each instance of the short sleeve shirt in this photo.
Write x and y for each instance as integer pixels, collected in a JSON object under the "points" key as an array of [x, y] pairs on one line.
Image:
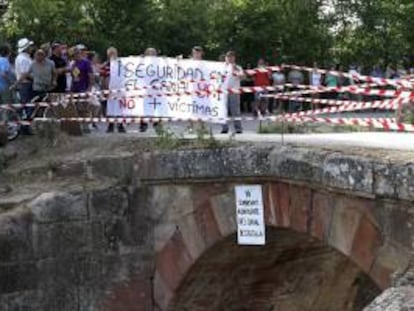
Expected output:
{"points": [[42, 74], [5, 69], [233, 81], [22, 64], [61, 79], [80, 71]]}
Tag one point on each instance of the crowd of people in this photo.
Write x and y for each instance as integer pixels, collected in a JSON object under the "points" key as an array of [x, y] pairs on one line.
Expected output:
{"points": [[58, 68]]}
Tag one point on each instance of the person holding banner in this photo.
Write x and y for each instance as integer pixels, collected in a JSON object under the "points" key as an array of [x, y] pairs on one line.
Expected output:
{"points": [[105, 73], [197, 53], [150, 52], [235, 75]]}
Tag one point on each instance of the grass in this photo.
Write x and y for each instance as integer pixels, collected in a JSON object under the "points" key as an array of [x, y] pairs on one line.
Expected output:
{"points": [[168, 140], [307, 128]]}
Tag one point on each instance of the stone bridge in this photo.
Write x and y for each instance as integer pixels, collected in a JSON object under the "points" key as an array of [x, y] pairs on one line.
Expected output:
{"points": [[156, 231]]}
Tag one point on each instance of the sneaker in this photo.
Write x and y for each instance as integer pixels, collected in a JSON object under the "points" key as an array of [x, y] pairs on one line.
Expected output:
{"points": [[143, 128], [110, 128], [224, 131], [239, 131]]}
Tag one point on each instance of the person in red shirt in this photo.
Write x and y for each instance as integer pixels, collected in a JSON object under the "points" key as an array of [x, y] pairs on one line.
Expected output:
{"points": [[261, 79]]}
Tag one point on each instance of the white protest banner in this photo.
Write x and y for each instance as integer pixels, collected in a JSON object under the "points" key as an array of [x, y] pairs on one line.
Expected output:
{"points": [[250, 215], [157, 76]]}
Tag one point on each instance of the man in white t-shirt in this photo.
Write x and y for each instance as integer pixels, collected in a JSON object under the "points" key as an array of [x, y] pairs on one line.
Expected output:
{"points": [[22, 66], [235, 75], [23, 84]]}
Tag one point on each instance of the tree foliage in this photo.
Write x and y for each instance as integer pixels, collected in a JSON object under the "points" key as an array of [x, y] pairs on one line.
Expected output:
{"points": [[299, 31]]}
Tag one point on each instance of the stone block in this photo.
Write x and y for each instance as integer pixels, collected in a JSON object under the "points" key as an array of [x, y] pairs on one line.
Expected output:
{"points": [[71, 270], [297, 163], [51, 240], [300, 208], [345, 222], [121, 237], [70, 169], [164, 232], [18, 277], [15, 236], [134, 294], [207, 224], [27, 300], [162, 294], [368, 239], [120, 166], [280, 204], [108, 203], [385, 180], [170, 202], [59, 206], [348, 173], [207, 163], [400, 223], [174, 261], [224, 210], [322, 209], [405, 181]]}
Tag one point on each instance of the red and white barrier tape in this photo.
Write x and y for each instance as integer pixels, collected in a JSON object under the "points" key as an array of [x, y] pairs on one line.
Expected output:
{"points": [[284, 96], [385, 124], [397, 83], [381, 81], [384, 104], [349, 107]]}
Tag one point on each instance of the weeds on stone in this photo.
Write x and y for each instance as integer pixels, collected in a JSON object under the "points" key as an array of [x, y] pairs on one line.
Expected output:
{"points": [[205, 137], [168, 140], [306, 128]]}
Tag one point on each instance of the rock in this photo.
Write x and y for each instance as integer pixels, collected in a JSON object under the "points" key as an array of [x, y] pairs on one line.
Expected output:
{"points": [[400, 297]]}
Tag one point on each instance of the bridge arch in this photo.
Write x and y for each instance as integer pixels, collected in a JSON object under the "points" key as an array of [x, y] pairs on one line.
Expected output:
{"points": [[192, 221]]}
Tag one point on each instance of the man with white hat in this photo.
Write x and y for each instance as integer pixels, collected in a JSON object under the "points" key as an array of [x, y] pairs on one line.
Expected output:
{"points": [[23, 63], [22, 66]]}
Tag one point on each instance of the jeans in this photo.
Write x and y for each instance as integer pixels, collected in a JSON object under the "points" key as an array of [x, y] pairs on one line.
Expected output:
{"points": [[233, 106], [26, 95]]}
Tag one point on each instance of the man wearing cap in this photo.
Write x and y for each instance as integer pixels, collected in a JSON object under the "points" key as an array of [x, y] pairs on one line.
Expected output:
{"points": [[235, 75], [82, 73], [61, 67], [83, 50], [82, 82], [22, 66]]}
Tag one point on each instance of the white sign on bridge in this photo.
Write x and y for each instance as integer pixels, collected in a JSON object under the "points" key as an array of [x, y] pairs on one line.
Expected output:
{"points": [[168, 87], [250, 215]]}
